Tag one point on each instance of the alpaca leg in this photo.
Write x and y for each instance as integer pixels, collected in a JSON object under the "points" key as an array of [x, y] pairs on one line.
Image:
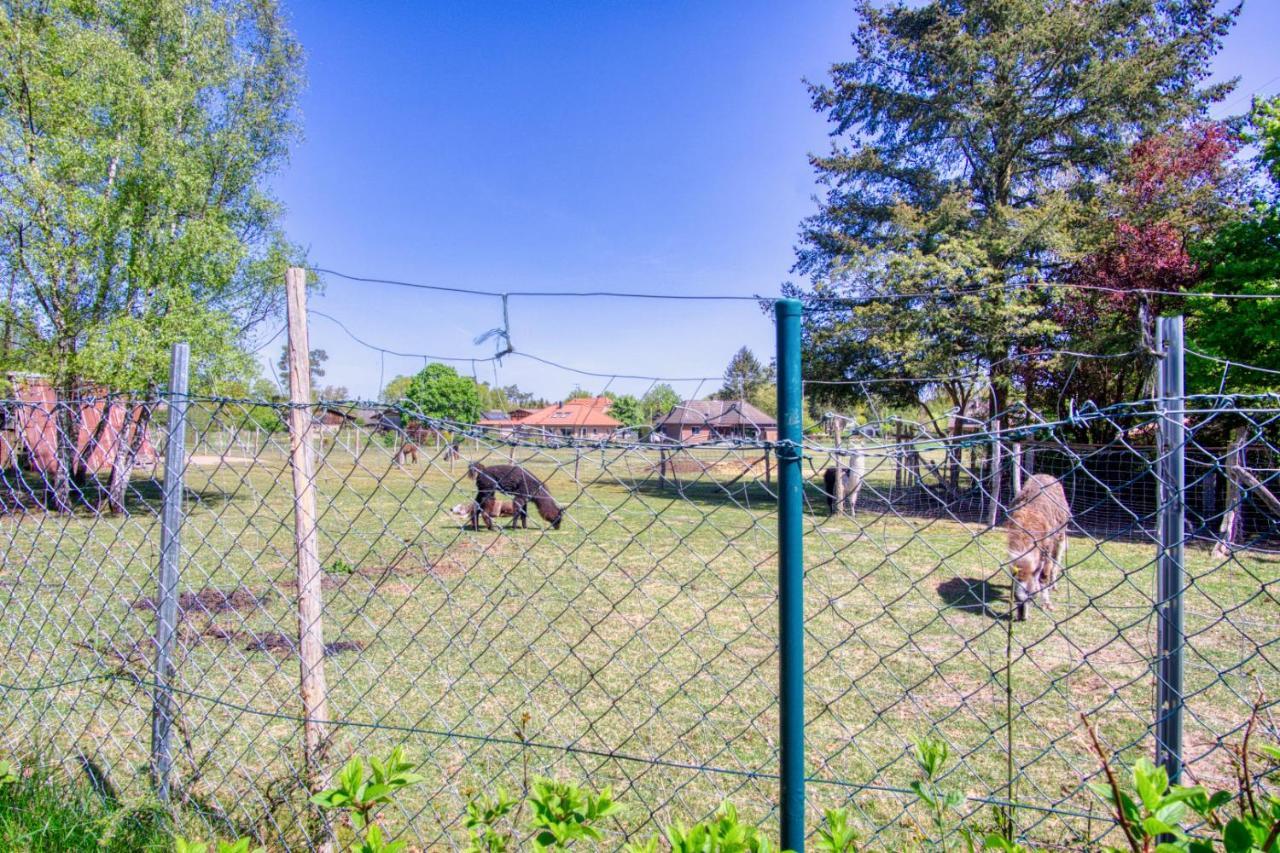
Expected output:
{"points": [[1048, 576], [518, 512], [483, 499], [1057, 564]]}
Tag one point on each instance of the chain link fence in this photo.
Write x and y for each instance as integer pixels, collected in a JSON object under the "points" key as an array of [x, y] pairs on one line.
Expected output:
{"points": [[636, 643]]}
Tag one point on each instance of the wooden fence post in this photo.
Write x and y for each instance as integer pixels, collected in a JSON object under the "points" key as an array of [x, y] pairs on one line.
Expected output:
{"points": [[1017, 467], [315, 695], [839, 495]]}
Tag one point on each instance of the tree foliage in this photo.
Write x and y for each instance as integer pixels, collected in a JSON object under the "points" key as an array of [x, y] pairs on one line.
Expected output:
{"points": [[438, 391], [969, 139], [1243, 257], [744, 377], [659, 400], [627, 410], [135, 140], [315, 360], [394, 391]]}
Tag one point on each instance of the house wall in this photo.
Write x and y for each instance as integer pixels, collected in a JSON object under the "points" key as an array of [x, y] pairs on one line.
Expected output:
{"points": [[689, 434], [37, 430]]}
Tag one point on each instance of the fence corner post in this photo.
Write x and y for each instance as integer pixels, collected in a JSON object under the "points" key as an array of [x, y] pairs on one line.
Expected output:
{"points": [[790, 577], [313, 687], [170, 555], [1171, 474]]}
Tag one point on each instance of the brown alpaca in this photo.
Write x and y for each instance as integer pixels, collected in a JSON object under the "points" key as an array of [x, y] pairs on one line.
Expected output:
{"points": [[1037, 529], [407, 450], [473, 512], [524, 489]]}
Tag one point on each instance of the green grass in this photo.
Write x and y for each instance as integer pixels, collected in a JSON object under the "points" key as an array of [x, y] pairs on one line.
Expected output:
{"points": [[645, 627], [47, 811]]}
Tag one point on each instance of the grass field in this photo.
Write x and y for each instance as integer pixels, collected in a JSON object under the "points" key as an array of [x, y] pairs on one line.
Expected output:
{"points": [[638, 643]]}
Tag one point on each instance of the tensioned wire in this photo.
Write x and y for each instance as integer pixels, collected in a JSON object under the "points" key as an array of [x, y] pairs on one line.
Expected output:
{"points": [[508, 741]]}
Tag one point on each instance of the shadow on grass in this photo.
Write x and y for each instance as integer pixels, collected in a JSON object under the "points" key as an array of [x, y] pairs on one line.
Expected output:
{"points": [[978, 596], [23, 492]]}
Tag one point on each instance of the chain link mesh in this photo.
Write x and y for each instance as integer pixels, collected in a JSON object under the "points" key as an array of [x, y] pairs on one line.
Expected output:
{"points": [[635, 645]]}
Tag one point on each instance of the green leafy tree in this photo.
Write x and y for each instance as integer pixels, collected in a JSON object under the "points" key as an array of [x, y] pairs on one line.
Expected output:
{"points": [[969, 136], [627, 409], [395, 390], [659, 400], [578, 393], [1243, 258], [135, 144], [438, 391]]}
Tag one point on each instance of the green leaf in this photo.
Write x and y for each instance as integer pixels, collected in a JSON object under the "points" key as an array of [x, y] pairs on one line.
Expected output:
{"points": [[1150, 781], [331, 799], [1236, 837], [1154, 826], [1220, 799]]}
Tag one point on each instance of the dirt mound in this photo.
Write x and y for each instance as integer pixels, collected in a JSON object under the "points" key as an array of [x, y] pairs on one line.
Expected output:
{"points": [[210, 601], [278, 643]]}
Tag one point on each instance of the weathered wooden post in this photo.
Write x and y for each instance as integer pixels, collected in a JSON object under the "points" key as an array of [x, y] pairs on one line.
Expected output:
{"points": [[314, 690], [836, 428], [1017, 467]]}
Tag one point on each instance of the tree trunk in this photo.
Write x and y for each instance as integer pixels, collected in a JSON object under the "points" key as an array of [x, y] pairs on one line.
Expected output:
{"points": [[127, 449], [999, 420], [81, 472], [65, 434]]}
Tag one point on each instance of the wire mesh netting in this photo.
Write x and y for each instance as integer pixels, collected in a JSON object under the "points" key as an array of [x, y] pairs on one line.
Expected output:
{"points": [[627, 634]]}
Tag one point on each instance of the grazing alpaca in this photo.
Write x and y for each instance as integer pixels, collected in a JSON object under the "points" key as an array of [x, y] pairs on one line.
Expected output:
{"points": [[853, 476], [407, 450], [523, 488], [495, 509], [1037, 527]]}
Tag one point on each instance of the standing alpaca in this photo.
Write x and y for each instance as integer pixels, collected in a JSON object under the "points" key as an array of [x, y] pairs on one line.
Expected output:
{"points": [[523, 488], [854, 473], [408, 450], [1037, 528]]}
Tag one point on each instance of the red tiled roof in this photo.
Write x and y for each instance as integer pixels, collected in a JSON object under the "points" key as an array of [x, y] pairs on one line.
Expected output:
{"points": [[584, 412], [717, 413]]}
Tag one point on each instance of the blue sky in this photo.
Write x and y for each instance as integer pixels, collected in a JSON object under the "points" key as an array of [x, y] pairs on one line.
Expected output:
{"points": [[509, 146]]}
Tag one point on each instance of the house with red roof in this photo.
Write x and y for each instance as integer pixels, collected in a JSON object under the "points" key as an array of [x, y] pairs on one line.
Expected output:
{"points": [[586, 418], [697, 421]]}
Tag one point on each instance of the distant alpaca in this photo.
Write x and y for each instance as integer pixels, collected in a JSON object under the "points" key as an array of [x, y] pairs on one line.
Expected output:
{"points": [[854, 473], [1037, 528], [523, 488], [407, 450]]}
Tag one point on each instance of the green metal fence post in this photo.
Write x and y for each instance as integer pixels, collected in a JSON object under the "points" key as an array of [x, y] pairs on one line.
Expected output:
{"points": [[1170, 574], [790, 576]]}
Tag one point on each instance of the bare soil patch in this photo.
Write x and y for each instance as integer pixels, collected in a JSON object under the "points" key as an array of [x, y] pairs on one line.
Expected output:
{"points": [[211, 601]]}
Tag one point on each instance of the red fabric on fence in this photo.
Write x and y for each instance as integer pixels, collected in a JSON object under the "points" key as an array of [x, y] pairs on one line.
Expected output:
{"points": [[38, 429]]}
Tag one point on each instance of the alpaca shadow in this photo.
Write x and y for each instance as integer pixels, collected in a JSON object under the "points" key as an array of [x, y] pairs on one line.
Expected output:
{"points": [[977, 596]]}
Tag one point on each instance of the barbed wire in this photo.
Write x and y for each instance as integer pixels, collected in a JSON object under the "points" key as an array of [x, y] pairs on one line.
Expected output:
{"points": [[803, 297]]}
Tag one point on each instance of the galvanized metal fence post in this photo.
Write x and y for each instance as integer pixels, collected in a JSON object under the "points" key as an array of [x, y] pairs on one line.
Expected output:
{"points": [[790, 576], [170, 555], [1171, 472]]}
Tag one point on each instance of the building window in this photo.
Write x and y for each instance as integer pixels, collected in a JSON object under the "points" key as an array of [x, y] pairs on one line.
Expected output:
{"points": [[697, 431]]}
